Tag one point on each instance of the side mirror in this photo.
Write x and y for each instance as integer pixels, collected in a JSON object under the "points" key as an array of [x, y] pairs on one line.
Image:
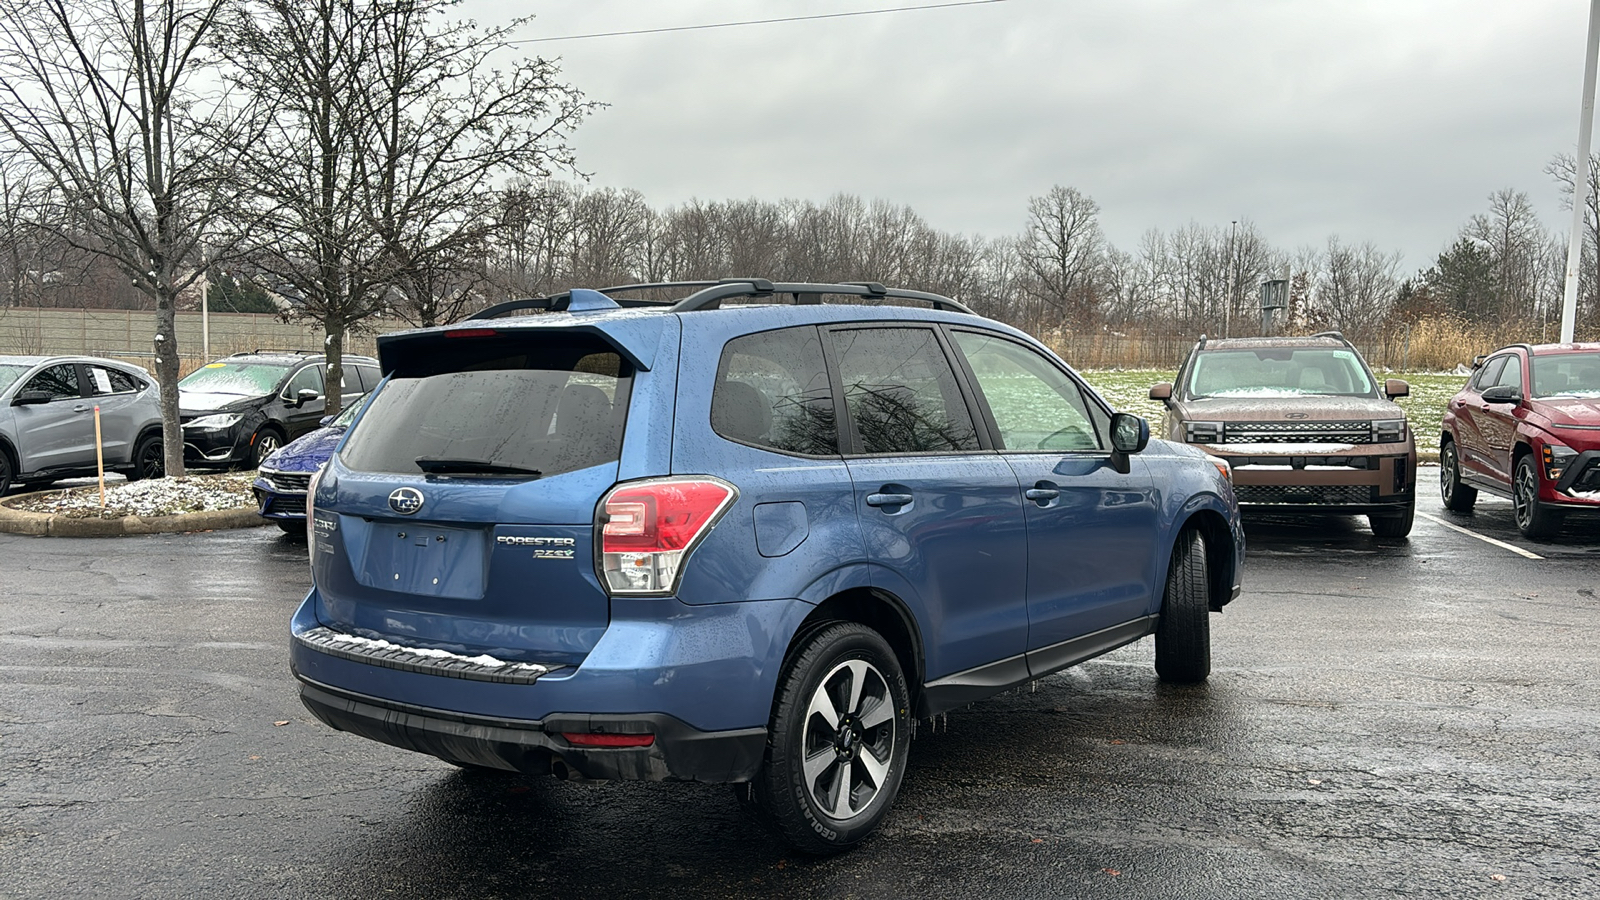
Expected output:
{"points": [[306, 395], [1162, 391], [323, 422], [1477, 361], [1502, 394], [1129, 434], [1395, 387], [30, 398]]}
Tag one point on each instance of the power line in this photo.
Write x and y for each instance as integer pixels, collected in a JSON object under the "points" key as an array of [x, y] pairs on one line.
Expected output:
{"points": [[839, 15]]}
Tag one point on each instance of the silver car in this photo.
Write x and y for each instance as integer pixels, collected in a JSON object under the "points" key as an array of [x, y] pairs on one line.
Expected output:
{"points": [[47, 418]]}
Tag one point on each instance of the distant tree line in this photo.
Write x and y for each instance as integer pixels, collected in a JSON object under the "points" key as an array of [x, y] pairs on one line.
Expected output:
{"points": [[341, 160]]}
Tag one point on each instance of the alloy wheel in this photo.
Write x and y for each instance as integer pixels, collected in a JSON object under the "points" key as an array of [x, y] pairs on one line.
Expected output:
{"points": [[266, 444], [848, 739], [1525, 495], [151, 461], [1447, 472]]}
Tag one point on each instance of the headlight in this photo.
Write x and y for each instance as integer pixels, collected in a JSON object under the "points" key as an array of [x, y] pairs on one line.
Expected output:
{"points": [[1222, 466], [1388, 431], [214, 423], [1556, 460], [1202, 432]]}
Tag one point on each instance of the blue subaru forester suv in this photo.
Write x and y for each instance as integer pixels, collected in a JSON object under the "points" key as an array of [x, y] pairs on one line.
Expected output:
{"points": [[735, 538]]}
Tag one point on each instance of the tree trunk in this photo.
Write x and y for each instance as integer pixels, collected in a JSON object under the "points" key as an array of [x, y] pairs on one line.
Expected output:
{"points": [[333, 347], [167, 369]]}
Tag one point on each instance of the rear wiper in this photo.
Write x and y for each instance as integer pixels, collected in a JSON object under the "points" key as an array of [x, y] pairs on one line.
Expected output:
{"points": [[435, 465]]}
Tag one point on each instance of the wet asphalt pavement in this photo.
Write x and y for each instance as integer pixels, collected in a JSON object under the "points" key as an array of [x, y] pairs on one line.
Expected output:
{"points": [[1416, 718]]}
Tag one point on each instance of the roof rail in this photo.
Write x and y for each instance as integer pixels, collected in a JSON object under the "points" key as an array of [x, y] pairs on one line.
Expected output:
{"points": [[711, 294], [260, 350], [1201, 344], [1336, 335]]}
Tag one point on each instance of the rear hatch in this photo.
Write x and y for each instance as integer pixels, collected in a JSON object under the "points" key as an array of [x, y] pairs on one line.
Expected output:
{"points": [[459, 513]]}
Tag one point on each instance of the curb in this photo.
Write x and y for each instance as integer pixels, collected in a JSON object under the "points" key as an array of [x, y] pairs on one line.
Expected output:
{"points": [[16, 521]]}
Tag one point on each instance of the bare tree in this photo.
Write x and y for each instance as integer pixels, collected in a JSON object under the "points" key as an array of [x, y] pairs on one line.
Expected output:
{"points": [[1515, 239], [441, 125], [1356, 287], [1061, 248], [109, 98], [1564, 170]]}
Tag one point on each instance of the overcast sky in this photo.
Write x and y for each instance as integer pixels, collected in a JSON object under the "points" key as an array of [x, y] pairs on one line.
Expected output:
{"points": [[1381, 120]]}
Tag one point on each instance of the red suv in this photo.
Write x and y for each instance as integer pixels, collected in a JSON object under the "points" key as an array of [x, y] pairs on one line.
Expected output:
{"points": [[1526, 426]]}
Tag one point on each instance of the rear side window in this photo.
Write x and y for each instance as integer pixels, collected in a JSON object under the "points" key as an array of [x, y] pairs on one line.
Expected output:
{"points": [[104, 380], [901, 392], [549, 408], [772, 391], [370, 376]]}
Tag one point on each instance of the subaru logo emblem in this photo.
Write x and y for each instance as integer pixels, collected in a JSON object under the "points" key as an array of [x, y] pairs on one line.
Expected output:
{"points": [[406, 501]]}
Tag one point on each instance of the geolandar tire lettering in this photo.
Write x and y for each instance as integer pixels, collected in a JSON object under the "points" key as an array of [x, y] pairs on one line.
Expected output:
{"points": [[837, 742]]}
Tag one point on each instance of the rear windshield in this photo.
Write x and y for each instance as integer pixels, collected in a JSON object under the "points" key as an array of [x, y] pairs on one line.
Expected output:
{"points": [[1563, 375], [538, 411], [1279, 372]]}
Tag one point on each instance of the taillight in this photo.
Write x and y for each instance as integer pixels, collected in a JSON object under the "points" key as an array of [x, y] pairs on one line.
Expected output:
{"points": [[648, 528], [311, 512]]}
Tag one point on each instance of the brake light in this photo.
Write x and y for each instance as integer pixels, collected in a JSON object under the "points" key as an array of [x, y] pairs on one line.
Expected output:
{"points": [[311, 512], [586, 739], [471, 332], [648, 528]]}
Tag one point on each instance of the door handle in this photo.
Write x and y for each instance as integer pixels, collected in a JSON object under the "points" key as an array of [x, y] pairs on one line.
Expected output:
{"points": [[888, 499], [80, 408], [1041, 495]]}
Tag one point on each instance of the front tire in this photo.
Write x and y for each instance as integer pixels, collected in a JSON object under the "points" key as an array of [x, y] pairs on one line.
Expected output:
{"points": [[295, 527], [1394, 525], [1457, 497], [267, 442], [7, 473], [837, 742], [1535, 520], [1183, 636]]}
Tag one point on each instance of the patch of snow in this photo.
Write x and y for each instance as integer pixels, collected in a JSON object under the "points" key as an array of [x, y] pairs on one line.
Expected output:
{"points": [[1295, 449], [485, 660], [149, 498]]}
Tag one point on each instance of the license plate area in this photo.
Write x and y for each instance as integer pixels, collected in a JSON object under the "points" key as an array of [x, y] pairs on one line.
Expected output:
{"points": [[425, 560]]}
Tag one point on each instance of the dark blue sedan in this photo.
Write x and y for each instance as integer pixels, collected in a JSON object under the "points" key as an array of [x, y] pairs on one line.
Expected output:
{"points": [[285, 475]]}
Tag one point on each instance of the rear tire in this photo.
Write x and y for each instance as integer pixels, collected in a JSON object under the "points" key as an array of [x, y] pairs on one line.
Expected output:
{"points": [[1394, 526], [837, 742], [1457, 497], [7, 471], [1183, 636], [148, 459], [1535, 520]]}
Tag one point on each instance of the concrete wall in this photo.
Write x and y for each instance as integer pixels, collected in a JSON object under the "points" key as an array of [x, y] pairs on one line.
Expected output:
{"points": [[128, 334]]}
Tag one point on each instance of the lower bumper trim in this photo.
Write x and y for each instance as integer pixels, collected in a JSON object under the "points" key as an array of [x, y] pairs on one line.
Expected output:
{"points": [[680, 752]]}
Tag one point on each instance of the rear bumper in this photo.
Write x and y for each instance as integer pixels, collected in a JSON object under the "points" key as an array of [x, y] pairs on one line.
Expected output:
{"points": [[678, 753]]}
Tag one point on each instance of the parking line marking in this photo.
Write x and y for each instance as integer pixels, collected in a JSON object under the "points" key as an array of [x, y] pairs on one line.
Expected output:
{"points": [[1482, 537]]}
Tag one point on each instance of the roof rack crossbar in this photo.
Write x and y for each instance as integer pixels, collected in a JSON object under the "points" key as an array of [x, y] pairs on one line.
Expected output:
{"points": [[260, 350]]}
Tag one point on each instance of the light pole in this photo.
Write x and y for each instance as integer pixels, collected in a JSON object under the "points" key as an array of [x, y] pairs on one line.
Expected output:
{"points": [[1580, 179], [1233, 274]]}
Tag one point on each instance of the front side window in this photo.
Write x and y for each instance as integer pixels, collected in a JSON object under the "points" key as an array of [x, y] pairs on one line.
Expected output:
{"points": [[60, 382], [901, 392], [1269, 372], [307, 379], [241, 379], [772, 391], [1511, 375], [1561, 375], [1034, 404], [1489, 374], [539, 412]]}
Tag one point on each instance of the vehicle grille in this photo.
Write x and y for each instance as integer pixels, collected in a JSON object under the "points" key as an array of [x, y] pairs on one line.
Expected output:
{"points": [[1306, 494], [286, 506], [1298, 432], [289, 481]]}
